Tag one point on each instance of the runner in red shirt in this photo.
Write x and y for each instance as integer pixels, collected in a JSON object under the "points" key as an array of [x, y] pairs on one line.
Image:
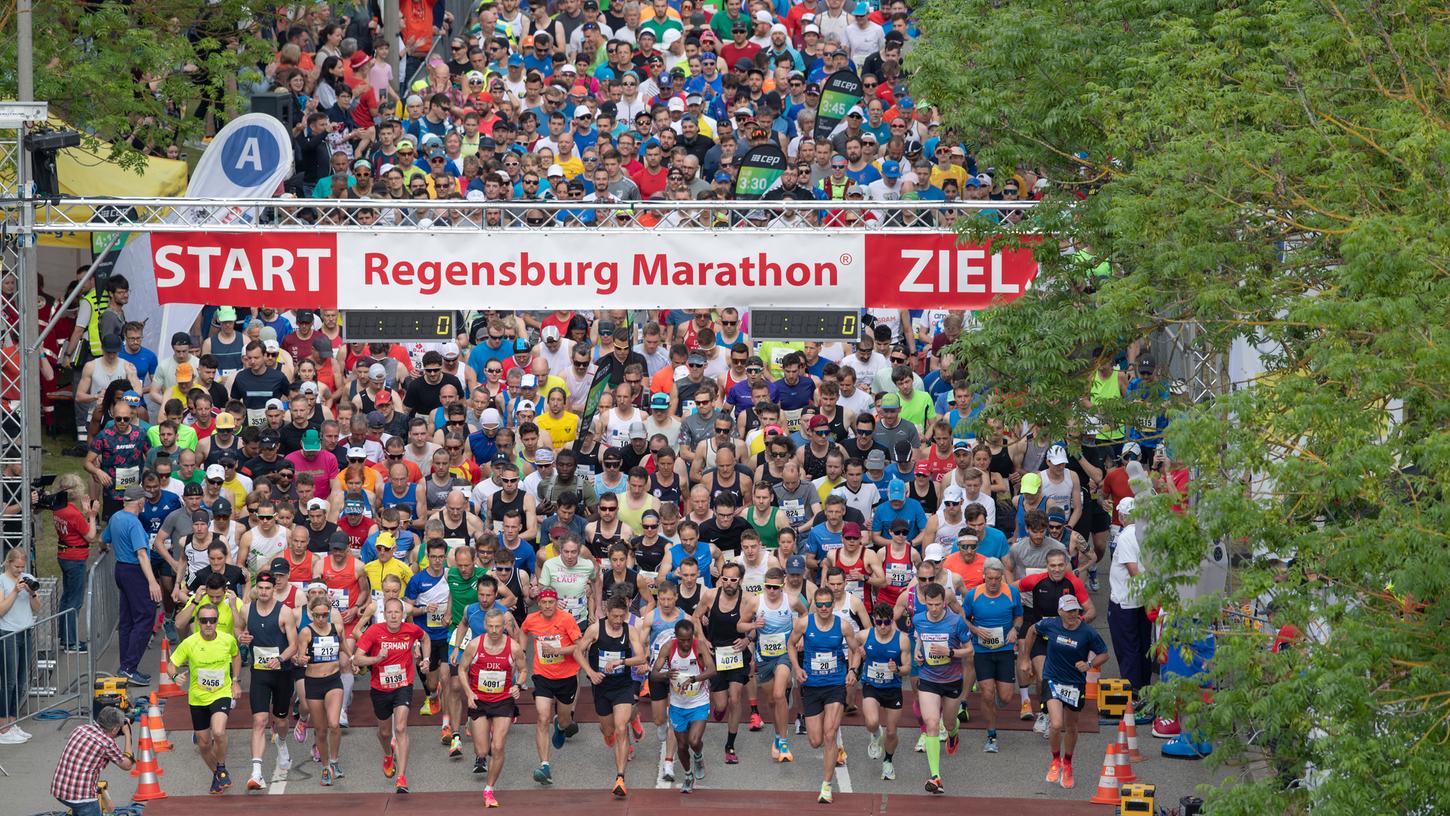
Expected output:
{"points": [[393, 647]]}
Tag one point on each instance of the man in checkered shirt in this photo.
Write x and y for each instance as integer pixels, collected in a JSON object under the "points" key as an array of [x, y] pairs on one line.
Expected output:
{"points": [[86, 754]]}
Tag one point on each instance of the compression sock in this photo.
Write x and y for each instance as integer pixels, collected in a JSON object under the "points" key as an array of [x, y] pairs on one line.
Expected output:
{"points": [[933, 754], [347, 679], [730, 741], [952, 729], [1025, 693]]}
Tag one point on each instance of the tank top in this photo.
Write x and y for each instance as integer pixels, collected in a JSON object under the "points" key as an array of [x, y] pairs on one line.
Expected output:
{"points": [[410, 496], [436, 494], [855, 573], [772, 638], [196, 560], [228, 354], [498, 505], [732, 489], [608, 648], [941, 465], [455, 536], [825, 652], [720, 624], [928, 497], [1060, 492], [878, 656], [768, 478], [688, 604], [215, 453], [265, 548], [491, 675], [322, 648], [1105, 390], [630, 575], [947, 531], [667, 494], [753, 581], [341, 585], [710, 453], [769, 535], [601, 542], [102, 377], [298, 572], [356, 533], [814, 466], [899, 575], [685, 691], [616, 430], [268, 639], [647, 558], [631, 515], [661, 630]]}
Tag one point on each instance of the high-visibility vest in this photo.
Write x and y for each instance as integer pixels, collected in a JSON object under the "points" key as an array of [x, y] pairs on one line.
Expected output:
{"points": [[99, 300]]}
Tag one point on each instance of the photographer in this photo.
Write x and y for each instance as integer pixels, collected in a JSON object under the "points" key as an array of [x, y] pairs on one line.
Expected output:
{"points": [[87, 752], [19, 604], [74, 517]]}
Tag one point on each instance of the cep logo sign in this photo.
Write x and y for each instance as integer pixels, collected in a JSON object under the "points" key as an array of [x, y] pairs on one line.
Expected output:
{"points": [[289, 272], [933, 271]]}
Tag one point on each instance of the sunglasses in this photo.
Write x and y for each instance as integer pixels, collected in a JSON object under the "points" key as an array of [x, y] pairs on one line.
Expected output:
{"points": [[774, 586], [206, 621], [267, 516], [823, 604], [650, 526]]}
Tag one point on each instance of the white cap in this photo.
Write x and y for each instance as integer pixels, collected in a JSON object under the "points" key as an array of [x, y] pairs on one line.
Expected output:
{"points": [[316, 504], [1133, 448], [528, 381], [671, 36], [555, 170], [778, 27], [1125, 507], [856, 110], [550, 333], [984, 179], [490, 416], [448, 349], [811, 29], [275, 403], [474, 195], [216, 472], [763, 16], [934, 552], [581, 112], [676, 103], [954, 493], [1057, 455], [377, 371], [308, 387], [525, 405], [356, 452], [271, 346]]}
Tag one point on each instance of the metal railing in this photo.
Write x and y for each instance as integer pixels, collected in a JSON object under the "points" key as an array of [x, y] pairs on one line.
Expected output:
{"points": [[37, 674], [384, 215], [100, 610]]}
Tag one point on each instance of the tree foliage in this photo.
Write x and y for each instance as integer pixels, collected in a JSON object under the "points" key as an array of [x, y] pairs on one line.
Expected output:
{"points": [[122, 71], [1274, 172]]}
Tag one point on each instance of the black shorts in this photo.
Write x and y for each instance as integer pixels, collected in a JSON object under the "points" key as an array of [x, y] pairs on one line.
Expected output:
{"points": [[564, 691], [947, 691], [1039, 647], [316, 688], [998, 666], [659, 690], [485, 710], [437, 653], [1066, 691], [201, 715], [385, 701], [271, 691], [614, 691], [160, 568], [1094, 519], [724, 680], [814, 699], [887, 697]]}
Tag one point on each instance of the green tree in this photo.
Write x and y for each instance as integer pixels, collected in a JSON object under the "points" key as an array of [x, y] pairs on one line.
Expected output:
{"points": [[139, 71], [1275, 173]]}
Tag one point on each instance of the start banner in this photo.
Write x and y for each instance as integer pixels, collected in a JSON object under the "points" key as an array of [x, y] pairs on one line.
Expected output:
{"points": [[601, 270]]}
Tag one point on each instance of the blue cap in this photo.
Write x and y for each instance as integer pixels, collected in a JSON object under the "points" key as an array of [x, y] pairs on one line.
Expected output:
{"points": [[890, 169], [905, 103], [896, 491], [795, 565], [695, 85], [708, 56], [723, 177], [861, 9], [516, 59], [522, 344]]}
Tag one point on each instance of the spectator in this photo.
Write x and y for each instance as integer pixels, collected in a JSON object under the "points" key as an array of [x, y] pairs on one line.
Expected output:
{"points": [[19, 606]]}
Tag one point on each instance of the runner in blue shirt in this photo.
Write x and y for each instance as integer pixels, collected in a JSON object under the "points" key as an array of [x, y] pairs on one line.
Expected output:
{"points": [[1072, 649], [994, 617], [427, 598], [826, 642], [886, 658], [942, 641]]}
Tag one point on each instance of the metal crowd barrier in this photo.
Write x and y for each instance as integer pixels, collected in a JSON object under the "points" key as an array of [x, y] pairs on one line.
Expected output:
{"points": [[38, 679]]}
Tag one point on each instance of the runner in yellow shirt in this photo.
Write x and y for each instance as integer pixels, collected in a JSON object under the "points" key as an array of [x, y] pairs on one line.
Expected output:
{"points": [[212, 665]]}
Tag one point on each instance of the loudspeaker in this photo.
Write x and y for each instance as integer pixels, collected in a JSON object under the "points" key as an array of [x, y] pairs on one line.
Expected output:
{"points": [[277, 104]]}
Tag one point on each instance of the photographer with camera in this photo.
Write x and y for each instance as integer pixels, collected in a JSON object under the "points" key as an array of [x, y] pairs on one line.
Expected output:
{"points": [[19, 605], [74, 515], [87, 752]]}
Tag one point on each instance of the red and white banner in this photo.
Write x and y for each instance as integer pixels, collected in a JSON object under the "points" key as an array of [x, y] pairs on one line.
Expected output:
{"points": [[624, 269]]}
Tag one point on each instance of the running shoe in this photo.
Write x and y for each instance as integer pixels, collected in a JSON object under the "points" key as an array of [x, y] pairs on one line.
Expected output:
{"points": [[216, 785], [1166, 728], [963, 715], [326, 779], [873, 748], [888, 770], [667, 771], [299, 732], [636, 728], [990, 747], [1025, 713], [455, 747], [954, 741], [756, 721], [731, 758], [608, 740], [825, 797], [402, 786], [488, 800], [428, 706], [698, 761], [1043, 723], [390, 765], [337, 770], [342, 720], [934, 785], [841, 756], [284, 756], [255, 782], [920, 744], [851, 710], [557, 739], [542, 775], [1054, 771], [570, 730], [480, 765], [619, 789], [800, 725], [688, 786], [445, 735], [1093, 583], [1067, 780], [224, 777], [316, 754]]}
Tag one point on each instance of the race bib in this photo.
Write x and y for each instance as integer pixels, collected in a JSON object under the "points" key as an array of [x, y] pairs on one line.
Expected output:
{"points": [[453, 543], [338, 598], [377, 606], [605, 658], [256, 417], [577, 607], [857, 589], [1069, 694], [492, 682], [438, 618], [792, 419], [993, 639], [728, 657], [772, 645], [553, 642], [823, 662], [878, 673], [127, 477], [899, 575], [755, 585], [325, 649], [266, 658], [794, 510], [931, 640], [211, 680], [683, 684], [393, 677]]}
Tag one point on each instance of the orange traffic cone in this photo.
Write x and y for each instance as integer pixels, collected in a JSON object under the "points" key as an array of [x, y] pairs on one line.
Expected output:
{"points": [[168, 687], [1093, 676], [1130, 726], [1125, 764], [146, 755], [156, 726], [1108, 780]]}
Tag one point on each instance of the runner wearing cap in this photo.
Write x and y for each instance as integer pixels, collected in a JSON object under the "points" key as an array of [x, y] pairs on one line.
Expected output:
{"points": [[394, 647], [269, 628], [556, 684], [1042, 592], [1072, 650], [860, 567], [825, 659]]}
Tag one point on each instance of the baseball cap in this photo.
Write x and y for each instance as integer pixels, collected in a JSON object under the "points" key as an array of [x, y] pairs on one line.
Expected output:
{"points": [[555, 170], [110, 343], [525, 405], [134, 493], [311, 441], [308, 387], [270, 441], [226, 421], [961, 444], [528, 381], [280, 565], [376, 371], [818, 421], [225, 313], [1057, 455], [1132, 450], [934, 552], [216, 472], [795, 565], [181, 339], [550, 333], [316, 504], [270, 346], [1069, 603], [200, 516], [1125, 506], [851, 530], [896, 491], [890, 169], [375, 420], [954, 493], [891, 402], [356, 452], [352, 507], [676, 103], [636, 431], [490, 416], [384, 397], [1031, 483], [876, 459], [221, 507], [660, 402], [338, 541], [192, 489]]}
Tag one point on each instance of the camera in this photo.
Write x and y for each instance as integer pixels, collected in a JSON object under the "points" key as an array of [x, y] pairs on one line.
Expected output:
{"points": [[31, 582], [41, 500]]}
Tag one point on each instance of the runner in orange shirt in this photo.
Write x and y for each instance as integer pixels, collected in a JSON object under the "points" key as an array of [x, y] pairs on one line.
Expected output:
{"points": [[556, 684], [965, 562]]}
